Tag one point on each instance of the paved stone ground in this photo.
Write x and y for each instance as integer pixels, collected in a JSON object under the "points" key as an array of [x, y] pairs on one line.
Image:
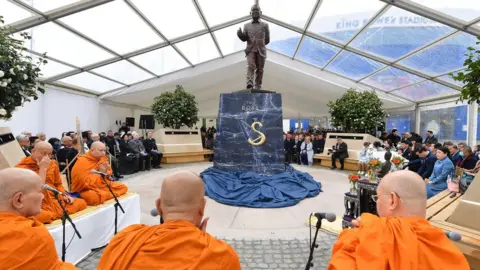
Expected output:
{"points": [[266, 254]]}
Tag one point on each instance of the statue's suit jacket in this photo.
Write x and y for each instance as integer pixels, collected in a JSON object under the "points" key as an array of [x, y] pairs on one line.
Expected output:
{"points": [[256, 37]]}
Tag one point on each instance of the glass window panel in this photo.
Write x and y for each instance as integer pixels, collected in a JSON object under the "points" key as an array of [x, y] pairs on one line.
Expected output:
{"points": [[91, 82], [220, 11], [52, 68], [283, 40], [12, 13], [124, 72], [353, 66], [228, 41], [66, 46], [447, 124], [402, 121], [425, 90], [293, 12], [391, 78], [161, 61], [399, 32], [449, 54], [341, 19], [173, 18], [122, 32], [47, 5], [448, 78], [199, 49], [462, 9], [316, 52]]}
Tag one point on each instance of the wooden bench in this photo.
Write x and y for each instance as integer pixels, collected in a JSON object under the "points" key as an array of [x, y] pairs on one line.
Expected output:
{"points": [[169, 158], [326, 161], [439, 209]]}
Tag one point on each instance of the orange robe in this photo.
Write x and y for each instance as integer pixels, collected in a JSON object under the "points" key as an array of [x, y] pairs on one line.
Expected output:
{"points": [[51, 210], [172, 245], [396, 244], [91, 186], [26, 245]]}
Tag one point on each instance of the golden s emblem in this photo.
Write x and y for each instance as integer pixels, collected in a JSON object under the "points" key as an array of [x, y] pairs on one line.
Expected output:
{"points": [[261, 137]]}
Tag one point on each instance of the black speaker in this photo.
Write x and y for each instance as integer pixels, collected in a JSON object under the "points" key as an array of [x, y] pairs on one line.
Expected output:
{"points": [[130, 121], [147, 122]]}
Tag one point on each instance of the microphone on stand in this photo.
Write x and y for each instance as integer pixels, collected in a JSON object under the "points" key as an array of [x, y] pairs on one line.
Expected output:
{"points": [[54, 191], [330, 217], [154, 213], [454, 236]]}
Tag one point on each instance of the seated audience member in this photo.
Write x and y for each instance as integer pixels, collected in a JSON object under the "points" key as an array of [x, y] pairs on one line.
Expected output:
{"points": [[136, 145], [386, 166], [414, 161], [401, 237], [66, 153], [364, 159], [405, 147], [469, 161], [428, 162], [92, 188], [40, 163], [41, 136], [431, 139], [129, 163], [151, 148], [26, 243], [55, 142], [460, 147], [340, 152], [24, 142], [307, 151], [181, 242], [455, 154], [124, 129], [437, 182]]}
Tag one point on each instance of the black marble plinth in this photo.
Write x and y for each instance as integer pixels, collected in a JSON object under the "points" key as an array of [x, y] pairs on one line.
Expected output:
{"points": [[237, 112]]}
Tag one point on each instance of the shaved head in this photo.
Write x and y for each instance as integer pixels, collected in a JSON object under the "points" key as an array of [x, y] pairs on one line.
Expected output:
{"points": [[402, 193], [20, 192], [40, 150], [98, 149], [43, 146], [182, 197]]}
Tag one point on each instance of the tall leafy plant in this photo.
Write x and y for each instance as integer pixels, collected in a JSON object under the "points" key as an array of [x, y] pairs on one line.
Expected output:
{"points": [[470, 77], [175, 109], [358, 111], [18, 73]]}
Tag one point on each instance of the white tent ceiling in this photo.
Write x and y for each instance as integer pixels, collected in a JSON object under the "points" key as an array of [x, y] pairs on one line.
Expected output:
{"points": [[129, 51]]}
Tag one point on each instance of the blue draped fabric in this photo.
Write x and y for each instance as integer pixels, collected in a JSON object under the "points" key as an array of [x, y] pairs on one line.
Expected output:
{"points": [[255, 190]]}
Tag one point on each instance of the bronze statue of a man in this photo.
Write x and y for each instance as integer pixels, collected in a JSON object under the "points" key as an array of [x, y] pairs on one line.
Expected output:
{"points": [[257, 36]]}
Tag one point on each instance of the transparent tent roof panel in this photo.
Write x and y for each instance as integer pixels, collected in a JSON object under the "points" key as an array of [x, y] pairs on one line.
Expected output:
{"points": [[161, 61], [342, 19], [91, 82], [122, 31], [391, 78], [199, 49], [124, 72], [52, 68], [465, 10], [292, 12], [12, 13], [220, 11], [48, 5], [425, 90], [353, 66], [227, 39], [448, 78], [172, 18], [316, 52], [384, 38], [283, 40]]}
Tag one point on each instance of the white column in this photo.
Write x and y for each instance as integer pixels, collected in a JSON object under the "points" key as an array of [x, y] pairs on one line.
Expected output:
{"points": [[472, 124], [417, 120]]}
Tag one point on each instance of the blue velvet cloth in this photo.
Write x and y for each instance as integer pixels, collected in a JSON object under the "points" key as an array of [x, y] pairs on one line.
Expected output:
{"points": [[255, 190]]}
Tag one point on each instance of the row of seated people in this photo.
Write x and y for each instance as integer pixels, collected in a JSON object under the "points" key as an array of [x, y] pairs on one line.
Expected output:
{"points": [[293, 147], [87, 188], [398, 238]]}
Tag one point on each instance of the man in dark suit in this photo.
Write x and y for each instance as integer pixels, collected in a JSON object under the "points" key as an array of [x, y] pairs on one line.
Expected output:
{"points": [[431, 139], [340, 152], [257, 35], [455, 154], [393, 136], [428, 162], [289, 145], [405, 148], [24, 142], [151, 148]]}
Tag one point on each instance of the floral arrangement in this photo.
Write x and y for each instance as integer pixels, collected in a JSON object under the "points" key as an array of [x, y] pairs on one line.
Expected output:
{"points": [[18, 73], [398, 161], [375, 163], [353, 177]]}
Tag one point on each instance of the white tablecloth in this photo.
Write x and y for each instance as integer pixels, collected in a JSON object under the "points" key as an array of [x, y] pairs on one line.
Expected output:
{"points": [[380, 155], [96, 228]]}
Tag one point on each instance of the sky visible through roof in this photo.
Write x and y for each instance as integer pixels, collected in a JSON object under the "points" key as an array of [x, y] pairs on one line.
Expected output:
{"points": [[124, 42]]}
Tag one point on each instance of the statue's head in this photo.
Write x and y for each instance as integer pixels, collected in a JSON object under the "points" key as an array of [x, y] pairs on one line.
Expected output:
{"points": [[255, 12]]}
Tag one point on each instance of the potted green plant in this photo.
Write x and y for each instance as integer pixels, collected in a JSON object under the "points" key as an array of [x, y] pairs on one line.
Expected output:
{"points": [[470, 77], [18, 73]]}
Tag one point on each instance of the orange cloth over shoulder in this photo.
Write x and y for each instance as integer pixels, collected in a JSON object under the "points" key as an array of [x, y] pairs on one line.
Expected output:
{"points": [[91, 186], [26, 244], [395, 244], [172, 245], [51, 210]]}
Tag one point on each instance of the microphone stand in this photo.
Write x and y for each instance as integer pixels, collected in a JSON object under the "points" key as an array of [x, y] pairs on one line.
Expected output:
{"points": [[64, 218], [117, 203], [314, 245]]}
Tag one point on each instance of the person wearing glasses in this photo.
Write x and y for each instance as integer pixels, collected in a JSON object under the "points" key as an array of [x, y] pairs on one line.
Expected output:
{"points": [[400, 237]]}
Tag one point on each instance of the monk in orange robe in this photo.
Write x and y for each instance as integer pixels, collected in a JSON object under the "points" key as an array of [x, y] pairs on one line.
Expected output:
{"points": [[25, 243], [401, 238], [180, 242], [91, 186], [51, 209]]}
